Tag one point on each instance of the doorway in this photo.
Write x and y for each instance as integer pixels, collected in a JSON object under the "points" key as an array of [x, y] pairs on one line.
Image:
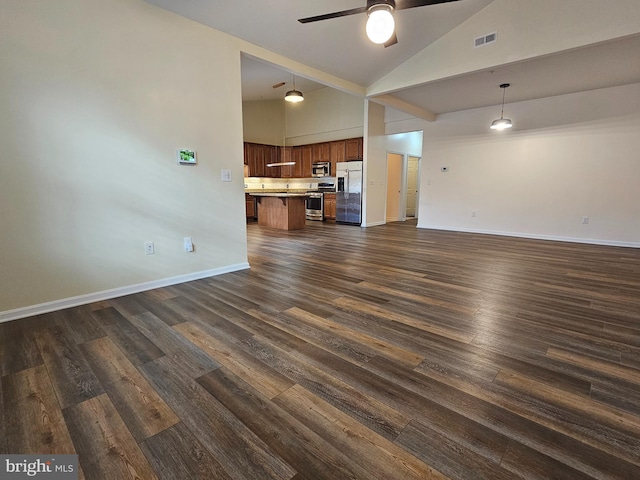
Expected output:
{"points": [[413, 168], [394, 187]]}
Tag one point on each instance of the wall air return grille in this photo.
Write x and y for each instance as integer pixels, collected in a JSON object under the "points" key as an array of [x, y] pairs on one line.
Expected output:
{"points": [[485, 39]]}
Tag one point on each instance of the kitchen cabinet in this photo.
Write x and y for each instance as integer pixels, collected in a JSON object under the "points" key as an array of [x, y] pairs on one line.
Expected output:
{"points": [[255, 159], [307, 161], [281, 210], [250, 204], [286, 155], [271, 156], [258, 156], [330, 206], [296, 156], [321, 152], [354, 149], [337, 154]]}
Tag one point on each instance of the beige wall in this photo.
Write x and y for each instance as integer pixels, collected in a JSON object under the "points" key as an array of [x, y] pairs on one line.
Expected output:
{"points": [[264, 121], [95, 98], [326, 114], [567, 157], [375, 166]]}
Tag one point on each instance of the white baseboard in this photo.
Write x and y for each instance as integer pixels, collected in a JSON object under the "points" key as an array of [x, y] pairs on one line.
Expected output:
{"points": [[115, 292], [375, 224], [590, 241]]}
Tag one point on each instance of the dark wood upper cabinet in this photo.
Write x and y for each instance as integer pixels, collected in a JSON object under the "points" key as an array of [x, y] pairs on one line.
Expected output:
{"points": [[338, 154], [307, 160], [271, 155], [286, 171], [321, 152], [354, 149], [257, 156], [296, 156]]}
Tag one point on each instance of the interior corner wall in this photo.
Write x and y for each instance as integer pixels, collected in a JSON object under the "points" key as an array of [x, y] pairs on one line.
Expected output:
{"points": [[567, 157], [374, 189], [326, 114], [263, 121], [96, 96]]}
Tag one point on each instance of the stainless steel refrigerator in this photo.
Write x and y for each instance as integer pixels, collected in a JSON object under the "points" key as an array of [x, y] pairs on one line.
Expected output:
{"points": [[349, 193]]}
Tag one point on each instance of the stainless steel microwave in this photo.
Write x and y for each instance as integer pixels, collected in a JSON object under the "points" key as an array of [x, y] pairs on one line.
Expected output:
{"points": [[321, 169]]}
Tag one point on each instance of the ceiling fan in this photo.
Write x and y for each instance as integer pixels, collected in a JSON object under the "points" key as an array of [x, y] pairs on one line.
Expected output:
{"points": [[380, 24]]}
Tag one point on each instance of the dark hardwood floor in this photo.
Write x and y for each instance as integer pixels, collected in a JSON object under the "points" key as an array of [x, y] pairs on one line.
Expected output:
{"points": [[379, 353]]}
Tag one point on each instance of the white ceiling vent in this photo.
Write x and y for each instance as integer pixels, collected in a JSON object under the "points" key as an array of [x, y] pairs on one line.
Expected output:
{"points": [[485, 39]]}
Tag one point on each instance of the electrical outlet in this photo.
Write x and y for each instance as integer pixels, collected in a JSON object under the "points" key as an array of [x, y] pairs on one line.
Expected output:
{"points": [[585, 220], [149, 248], [474, 214]]}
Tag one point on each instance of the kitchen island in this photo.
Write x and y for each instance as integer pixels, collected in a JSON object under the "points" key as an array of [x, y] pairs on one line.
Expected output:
{"points": [[286, 211]]}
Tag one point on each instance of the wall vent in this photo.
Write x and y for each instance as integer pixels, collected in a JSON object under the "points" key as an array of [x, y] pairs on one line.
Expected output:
{"points": [[485, 39]]}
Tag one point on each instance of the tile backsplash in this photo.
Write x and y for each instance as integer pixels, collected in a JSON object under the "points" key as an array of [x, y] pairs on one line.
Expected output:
{"points": [[283, 184]]}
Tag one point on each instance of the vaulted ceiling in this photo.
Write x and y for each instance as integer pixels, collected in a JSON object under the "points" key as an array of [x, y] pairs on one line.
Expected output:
{"points": [[340, 48]]}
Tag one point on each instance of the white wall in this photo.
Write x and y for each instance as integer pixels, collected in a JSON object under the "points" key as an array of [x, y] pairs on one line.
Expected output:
{"points": [[377, 144], [95, 98], [566, 157]]}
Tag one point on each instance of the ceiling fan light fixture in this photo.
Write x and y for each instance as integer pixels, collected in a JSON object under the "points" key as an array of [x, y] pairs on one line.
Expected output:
{"points": [[502, 123], [380, 24]]}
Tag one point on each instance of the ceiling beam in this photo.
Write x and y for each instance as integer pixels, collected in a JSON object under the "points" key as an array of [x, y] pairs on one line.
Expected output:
{"points": [[389, 100], [300, 69]]}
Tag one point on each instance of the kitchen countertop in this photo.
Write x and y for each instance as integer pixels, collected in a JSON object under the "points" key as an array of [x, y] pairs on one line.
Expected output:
{"points": [[279, 194]]}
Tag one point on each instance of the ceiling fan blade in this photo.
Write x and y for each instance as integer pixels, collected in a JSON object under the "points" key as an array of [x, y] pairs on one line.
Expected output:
{"points": [[392, 41], [327, 16], [404, 4]]}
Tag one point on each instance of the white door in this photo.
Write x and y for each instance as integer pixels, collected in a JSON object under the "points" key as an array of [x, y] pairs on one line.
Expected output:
{"points": [[394, 186], [412, 185]]}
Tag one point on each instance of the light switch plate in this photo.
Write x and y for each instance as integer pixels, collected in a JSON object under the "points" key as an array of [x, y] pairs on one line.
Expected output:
{"points": [[225, 175], [188, 244]]}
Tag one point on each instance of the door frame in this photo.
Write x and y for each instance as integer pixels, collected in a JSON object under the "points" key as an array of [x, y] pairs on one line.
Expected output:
{"points": [[406, 185]]}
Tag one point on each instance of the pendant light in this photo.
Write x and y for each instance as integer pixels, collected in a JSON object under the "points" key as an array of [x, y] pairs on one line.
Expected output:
{"points": [[502, 123], [284, 135], [294, 96], [380, 24]]}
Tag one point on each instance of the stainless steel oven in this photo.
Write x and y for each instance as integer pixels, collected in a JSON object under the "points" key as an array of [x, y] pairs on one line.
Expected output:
{"points": [[315, 206]]}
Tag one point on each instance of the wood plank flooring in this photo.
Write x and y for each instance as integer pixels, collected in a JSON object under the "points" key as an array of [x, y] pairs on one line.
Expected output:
{"points": [[380, 353]]}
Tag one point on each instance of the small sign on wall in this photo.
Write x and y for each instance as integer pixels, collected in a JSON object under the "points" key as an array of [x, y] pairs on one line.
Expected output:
{"points": [[186, 157]]}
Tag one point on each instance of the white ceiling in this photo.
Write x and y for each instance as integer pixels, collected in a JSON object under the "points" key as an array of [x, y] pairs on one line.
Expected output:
{"points": [[339, 47], [599, 66]]}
